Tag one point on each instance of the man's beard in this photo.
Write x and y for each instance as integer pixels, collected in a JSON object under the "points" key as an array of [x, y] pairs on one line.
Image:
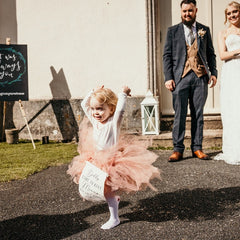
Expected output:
{"points": [[189, 23]]}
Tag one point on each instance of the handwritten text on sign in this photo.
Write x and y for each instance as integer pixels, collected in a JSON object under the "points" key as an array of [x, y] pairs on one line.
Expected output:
{"points": [[91, 183], [13, 72]]}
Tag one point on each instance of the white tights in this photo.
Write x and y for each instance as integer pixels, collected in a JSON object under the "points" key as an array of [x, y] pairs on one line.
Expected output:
{"points": [[113, 209]]}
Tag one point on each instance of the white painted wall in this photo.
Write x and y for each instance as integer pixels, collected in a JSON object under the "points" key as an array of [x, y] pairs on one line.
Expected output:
{"points": [[94, 42]]}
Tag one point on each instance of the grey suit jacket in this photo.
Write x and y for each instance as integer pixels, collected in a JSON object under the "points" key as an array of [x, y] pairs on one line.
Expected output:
{"points": [[175, 52]]}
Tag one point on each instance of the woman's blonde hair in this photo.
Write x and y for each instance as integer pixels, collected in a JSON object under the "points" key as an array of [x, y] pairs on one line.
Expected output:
{"points": [[106, 95], [233, 4]]}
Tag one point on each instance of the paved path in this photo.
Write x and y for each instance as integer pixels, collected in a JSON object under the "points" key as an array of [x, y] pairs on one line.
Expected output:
{"points": [[197, 200]]}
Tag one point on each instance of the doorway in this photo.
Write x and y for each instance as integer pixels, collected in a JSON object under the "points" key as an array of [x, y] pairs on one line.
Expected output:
{"points": [[167, 13]]}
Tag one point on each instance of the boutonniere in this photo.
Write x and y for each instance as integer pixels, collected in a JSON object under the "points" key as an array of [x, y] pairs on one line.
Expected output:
{"points": [[201, 33]]}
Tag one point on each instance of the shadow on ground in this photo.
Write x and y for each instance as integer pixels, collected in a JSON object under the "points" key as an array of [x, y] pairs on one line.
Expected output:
{"points": [[190, 205], [49, 226]]}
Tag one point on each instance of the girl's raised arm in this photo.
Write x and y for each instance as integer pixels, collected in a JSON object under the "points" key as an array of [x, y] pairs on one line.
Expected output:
{"points": [[86, 107]]}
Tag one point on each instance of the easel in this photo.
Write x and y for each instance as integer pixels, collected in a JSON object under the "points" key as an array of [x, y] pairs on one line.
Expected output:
{"points": [[8, 42], [25, 118], [4, 117]]}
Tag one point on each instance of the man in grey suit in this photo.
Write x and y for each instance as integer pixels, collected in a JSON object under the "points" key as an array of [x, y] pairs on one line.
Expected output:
{"points": [[189, 64]]}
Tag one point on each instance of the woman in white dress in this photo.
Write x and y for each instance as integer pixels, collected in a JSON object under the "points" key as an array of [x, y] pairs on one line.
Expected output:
{"points": [[229, 50]]}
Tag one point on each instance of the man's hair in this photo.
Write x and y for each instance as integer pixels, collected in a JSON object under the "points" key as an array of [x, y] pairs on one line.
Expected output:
{"points": [[188, 2]]}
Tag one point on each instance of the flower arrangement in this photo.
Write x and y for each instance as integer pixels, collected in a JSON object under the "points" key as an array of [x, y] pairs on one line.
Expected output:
{"points": [[201, 33]]}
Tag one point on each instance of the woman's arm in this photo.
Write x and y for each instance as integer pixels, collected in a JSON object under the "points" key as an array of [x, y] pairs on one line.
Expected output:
{"points": [[222, 48]]}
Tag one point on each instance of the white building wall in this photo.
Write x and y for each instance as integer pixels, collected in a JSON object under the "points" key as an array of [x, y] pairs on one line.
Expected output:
{"points": [[94, 42]]}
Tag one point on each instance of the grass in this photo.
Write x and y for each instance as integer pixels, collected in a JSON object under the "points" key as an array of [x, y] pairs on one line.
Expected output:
{"points": [[18, 161]]}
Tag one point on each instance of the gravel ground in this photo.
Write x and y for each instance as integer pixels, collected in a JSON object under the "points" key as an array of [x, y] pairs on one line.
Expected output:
{"points": [[196, 200]]}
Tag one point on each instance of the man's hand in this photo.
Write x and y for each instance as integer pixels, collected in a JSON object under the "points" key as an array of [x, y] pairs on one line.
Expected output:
{"points": [[170, 85], [212, 80]]}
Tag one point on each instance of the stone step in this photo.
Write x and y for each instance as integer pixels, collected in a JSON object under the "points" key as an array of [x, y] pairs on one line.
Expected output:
{"points": [[210, 122], [212, 138]]}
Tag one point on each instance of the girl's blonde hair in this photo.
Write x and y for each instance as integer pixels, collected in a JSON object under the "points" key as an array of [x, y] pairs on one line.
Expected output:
{"points": [[106, 95], [233, 4]]}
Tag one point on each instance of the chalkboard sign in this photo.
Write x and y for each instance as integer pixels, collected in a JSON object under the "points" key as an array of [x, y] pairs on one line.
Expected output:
{"points": [[13, 73]]}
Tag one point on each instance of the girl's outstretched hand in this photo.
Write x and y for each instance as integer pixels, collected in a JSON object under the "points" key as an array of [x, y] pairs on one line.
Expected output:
{"points": [[127, 90], [99, 87]]}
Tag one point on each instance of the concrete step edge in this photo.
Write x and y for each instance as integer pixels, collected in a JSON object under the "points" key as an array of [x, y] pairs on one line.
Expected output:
{"points": [[208, 133]]}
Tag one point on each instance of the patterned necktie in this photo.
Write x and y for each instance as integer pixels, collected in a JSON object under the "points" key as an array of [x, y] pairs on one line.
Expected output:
{"points": [[190, 37]]}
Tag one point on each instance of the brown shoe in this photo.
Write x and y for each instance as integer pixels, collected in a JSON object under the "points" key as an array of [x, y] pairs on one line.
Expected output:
{"points": [[176, 156], [199, 154]]}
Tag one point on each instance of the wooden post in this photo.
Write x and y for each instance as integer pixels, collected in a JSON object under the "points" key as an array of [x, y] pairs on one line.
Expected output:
{"points": [[4, 118], [8, 42], [24, 116]]}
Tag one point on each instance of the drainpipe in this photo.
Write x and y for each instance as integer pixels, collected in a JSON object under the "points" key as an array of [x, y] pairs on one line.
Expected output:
{"points": [[151, 46]]}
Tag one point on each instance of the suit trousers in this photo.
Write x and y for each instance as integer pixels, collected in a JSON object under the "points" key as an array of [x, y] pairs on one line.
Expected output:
{"points": [[192, 90]]}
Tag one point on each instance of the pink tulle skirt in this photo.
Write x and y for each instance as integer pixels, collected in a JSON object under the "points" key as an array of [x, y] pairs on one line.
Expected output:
{"points": [[128, 165]]}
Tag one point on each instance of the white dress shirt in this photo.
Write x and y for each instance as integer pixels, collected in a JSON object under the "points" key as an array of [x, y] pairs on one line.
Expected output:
{"points": [[187, 32]]}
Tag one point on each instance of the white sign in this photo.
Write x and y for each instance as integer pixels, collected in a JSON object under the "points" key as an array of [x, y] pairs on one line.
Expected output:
{"points": [[91, 183]]}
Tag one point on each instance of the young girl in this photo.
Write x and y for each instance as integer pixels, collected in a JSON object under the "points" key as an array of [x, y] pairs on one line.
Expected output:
{"points": [[128, 165]]}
